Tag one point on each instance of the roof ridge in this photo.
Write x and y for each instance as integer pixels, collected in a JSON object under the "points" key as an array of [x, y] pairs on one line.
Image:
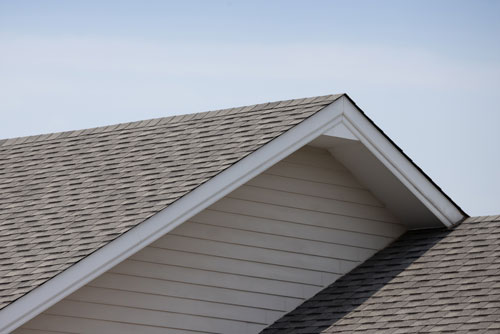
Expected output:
{"points": [[169, 119]]}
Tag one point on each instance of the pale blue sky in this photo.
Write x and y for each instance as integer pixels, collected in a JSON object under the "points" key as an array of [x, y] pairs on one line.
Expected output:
{"points": [[427, 72]]}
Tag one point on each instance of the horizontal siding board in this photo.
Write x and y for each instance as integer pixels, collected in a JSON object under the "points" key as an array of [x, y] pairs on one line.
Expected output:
{"points": [[307, 217], [244, 267], [294, 230], [215, 279], [316, 189], [293, 200], [340, 237], [249, 253], [314, 174], [49, 323], [240, 264], [315, 159], [173, 304], [193, 291], [152, 318], [274, 241], [40, 331]]}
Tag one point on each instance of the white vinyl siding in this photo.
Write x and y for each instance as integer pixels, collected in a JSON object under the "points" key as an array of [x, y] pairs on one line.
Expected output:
{"points": [[240, 264]]}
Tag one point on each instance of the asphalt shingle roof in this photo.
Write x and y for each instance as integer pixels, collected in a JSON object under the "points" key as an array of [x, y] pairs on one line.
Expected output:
{"points": [[428, 281], [65, 195]]}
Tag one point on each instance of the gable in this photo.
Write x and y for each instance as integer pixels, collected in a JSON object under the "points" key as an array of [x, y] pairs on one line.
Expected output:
{"points": [[242, 263], [272, 132], [66, 195]]}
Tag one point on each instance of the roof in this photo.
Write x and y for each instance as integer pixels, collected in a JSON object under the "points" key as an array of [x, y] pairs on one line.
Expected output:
{"points": [[65, 195], [435, 280], [74, 204]]}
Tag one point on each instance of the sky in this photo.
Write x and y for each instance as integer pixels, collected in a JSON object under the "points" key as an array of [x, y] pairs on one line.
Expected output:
{"points": [[427, 72]]}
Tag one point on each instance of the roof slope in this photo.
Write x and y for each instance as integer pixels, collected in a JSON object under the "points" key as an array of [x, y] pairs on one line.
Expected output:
{"points": [[65, 195], [427, 281]]}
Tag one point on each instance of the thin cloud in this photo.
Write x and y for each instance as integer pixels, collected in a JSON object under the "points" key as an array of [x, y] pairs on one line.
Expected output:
{"points": [[29, 58]]}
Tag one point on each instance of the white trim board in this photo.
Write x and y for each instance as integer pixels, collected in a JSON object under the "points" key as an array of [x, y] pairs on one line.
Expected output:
{"points": [[427, 203], [405, 171], [340, 111]]}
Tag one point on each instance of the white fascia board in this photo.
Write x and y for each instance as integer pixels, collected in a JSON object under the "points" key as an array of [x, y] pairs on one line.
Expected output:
{"points": [[49, 293], [394, 160]]}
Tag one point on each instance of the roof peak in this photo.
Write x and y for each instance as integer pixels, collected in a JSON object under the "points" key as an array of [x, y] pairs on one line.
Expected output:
{"points": [[168, 119]]}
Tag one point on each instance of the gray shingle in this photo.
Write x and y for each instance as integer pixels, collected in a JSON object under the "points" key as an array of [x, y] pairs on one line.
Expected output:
{"points": [[63, 196], [428, 281]]}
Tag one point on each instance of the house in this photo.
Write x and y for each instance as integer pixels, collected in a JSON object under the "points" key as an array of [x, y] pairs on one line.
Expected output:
{"points": [[296, 216]]}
